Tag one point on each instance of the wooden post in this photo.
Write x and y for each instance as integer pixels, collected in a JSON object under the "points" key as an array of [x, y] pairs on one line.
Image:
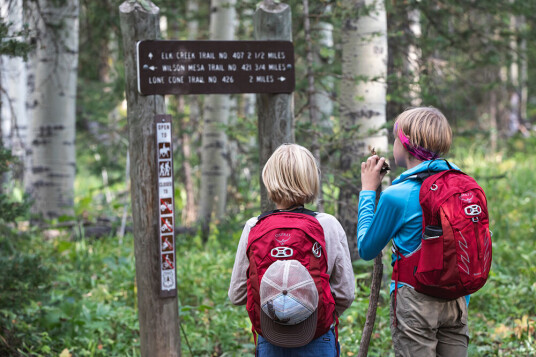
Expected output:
{"points": [[158, 317], [272, 21]]}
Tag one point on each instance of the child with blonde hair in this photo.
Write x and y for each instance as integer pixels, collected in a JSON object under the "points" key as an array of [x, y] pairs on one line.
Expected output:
{"points": [[421, 325], [292, 266]]}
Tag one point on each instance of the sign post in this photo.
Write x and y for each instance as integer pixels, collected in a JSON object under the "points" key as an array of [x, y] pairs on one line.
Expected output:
{"points": [[158, 313]]}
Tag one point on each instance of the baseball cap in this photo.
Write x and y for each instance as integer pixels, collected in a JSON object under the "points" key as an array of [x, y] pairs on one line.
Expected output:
{"points": [[289, 301]]}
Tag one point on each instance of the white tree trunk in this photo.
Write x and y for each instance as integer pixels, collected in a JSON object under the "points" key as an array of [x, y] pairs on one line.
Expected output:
{"points": [[324, 92], [364, 66], [314, 113], [51, 137], [514, 121], [189, 212], [523, 75], [215, 150], [13, 96], [414, 57], [362, 101]]}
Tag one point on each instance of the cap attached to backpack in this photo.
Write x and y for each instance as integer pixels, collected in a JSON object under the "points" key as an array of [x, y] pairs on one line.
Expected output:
{"points": [[289, 301]]}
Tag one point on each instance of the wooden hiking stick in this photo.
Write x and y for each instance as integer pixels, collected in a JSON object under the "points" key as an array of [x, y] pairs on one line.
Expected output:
{"points": [[377, 272], [375, 285]]}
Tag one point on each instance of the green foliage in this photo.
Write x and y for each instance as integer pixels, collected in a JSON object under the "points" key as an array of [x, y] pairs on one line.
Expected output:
{"points": [[81, 295], [11, 43], [24, 279], [11, 208], [68, 295]]}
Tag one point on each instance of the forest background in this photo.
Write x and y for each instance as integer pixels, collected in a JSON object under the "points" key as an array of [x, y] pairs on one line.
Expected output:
{"points": [[67, 278]]}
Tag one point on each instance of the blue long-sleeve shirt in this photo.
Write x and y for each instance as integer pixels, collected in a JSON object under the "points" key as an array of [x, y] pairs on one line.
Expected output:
{"points": [[398, 216]]}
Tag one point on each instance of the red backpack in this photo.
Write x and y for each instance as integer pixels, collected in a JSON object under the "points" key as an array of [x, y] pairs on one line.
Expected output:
{"points": [[456, 260], [283, 235]]}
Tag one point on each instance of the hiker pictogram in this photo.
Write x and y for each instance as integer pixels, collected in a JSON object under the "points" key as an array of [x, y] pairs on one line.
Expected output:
{"points": [[164, 169]]}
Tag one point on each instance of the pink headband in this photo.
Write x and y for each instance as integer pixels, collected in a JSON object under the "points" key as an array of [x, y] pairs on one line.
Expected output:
{"points": [[417, 151]]}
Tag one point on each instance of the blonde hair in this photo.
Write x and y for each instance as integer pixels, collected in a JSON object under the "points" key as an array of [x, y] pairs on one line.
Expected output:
{"points": [[291, 176], [426, 127]]}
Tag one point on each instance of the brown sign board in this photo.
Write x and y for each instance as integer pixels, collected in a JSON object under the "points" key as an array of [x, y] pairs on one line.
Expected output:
{"points": [[210, 67]]}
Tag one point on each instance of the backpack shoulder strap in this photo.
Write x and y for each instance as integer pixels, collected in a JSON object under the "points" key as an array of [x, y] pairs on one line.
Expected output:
{"points": [[425, 174], [299, 209]]}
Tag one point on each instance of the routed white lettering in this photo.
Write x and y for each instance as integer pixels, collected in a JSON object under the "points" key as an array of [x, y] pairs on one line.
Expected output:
{"points": [[175, 79], [196, 79], [156, 80]]}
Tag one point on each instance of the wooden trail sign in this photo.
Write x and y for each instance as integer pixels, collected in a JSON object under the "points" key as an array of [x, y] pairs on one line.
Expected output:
{"points": [[211, 67]]}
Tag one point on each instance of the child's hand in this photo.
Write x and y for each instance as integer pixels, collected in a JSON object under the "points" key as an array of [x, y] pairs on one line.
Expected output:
{"points": [[371, 175]]}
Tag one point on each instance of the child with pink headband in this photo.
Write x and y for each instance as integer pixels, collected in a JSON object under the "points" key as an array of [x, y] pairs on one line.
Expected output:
{"points": [[421, 325]]}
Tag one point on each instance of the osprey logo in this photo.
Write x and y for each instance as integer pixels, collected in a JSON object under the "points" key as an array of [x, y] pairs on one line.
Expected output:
{"points": [[317, 250], [283, 238], [467, 197]]}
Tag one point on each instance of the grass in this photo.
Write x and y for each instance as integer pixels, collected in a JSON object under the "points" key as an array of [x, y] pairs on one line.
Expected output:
{"points": [[79, 296]]}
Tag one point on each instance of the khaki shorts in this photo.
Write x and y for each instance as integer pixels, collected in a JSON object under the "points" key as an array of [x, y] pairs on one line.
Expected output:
{"points": [[429, 326]]}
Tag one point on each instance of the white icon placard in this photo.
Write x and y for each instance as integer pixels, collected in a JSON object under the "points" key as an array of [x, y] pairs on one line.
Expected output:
{"points": [[166, 210]]}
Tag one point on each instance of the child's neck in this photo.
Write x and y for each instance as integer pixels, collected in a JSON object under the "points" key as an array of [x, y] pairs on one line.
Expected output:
{"points": [[286, 207], [412, 164], [411, 161]]}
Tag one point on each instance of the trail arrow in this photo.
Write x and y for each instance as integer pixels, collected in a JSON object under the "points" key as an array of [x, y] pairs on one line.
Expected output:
{"points": [[282, 79], [152, 68], [150, 55]]}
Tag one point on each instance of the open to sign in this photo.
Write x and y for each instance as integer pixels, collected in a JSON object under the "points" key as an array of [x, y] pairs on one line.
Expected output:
{"points": [[165, 200]]}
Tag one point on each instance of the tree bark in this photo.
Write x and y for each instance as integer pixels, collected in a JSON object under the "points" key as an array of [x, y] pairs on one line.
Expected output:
{"points": [[362, 103], [514, 119], [314, 114], [215, 151], [524, 73], [158, 317], [272, 21], [13, 97], [413, 60], [51, 137], [325, 82]]}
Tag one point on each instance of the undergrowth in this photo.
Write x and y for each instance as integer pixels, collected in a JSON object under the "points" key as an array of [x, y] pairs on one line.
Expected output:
{"points": [[77, 297]]}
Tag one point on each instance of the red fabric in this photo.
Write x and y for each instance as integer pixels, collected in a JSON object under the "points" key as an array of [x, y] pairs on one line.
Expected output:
{"points": [[297, 231], [458, 262]]}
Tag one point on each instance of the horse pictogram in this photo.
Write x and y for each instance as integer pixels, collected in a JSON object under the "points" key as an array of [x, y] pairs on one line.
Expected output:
{"points": [[164, 150]]}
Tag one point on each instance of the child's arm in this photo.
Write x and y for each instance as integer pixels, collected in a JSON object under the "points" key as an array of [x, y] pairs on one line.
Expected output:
{"points": [[375, 230], [238, 286], [342, 277]]}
